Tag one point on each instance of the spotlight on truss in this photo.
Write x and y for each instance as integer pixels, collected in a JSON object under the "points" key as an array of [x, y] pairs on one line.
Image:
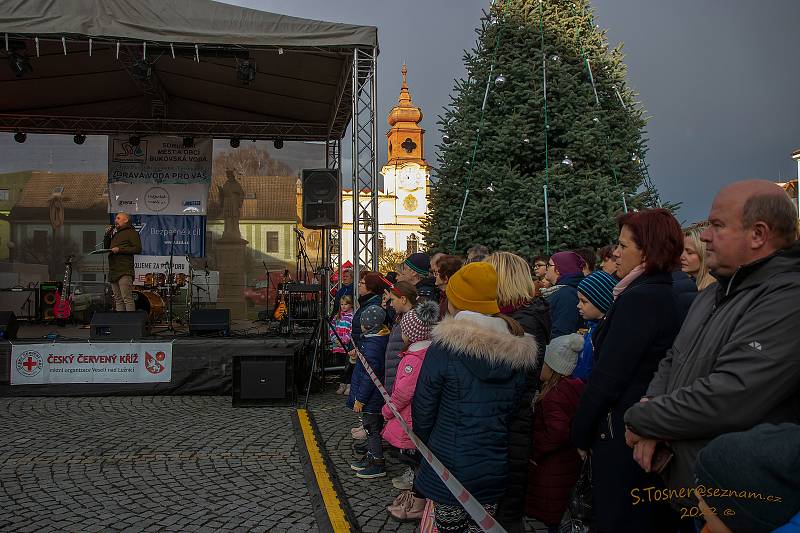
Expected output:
{"points": [[20, 137], [278, 144], [79, 138], [235, 142], [246, 71]]}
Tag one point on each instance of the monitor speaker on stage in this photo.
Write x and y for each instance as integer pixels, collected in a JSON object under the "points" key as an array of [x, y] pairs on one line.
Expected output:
{"points": [[119, 326], [8, 325], [264, 379], [47, 298], [322, 198], [210, 321]]}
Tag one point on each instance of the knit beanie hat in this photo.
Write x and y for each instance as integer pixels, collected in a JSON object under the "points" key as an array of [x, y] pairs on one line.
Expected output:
{"points": [[762, 460], [474, 288], [372, 319], [598, 288], [568, 263], [419, 263], [562, 353], [417, 324]]}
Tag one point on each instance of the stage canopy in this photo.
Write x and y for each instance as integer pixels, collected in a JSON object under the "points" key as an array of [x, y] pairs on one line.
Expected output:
{"points": [[184, 67]]}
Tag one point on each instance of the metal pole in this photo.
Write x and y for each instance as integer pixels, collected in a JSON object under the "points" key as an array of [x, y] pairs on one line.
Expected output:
{"points": [[546, 224], [354, 165]]}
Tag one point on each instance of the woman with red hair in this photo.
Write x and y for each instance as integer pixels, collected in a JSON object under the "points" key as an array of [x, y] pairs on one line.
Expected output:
{"points": [[628, 346]]}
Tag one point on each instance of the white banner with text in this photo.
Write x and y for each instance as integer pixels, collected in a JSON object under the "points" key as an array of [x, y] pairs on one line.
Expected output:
{"points": [[155, 159], [91, 362]]}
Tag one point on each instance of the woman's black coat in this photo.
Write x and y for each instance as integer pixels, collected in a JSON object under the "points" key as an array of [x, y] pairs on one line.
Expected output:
{"points": [[629, 344]]}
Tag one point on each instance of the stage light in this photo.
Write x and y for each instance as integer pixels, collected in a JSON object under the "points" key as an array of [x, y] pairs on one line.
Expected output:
{"points": [[19, 64], [234, 142], [134, 140], [278, 144], [246, 72], [188, 142], [20, 137], [79, 138]]}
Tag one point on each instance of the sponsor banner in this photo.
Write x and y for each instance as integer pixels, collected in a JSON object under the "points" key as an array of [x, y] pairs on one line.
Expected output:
{"points": [[87, 362], [175, 235], [159, 159], [159, 264], [162, 199]]}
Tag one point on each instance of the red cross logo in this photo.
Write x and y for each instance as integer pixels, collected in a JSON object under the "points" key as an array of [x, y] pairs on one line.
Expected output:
{"points": [[29, 364]]}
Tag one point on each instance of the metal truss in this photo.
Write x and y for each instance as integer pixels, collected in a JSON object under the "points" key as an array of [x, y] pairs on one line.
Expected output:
{"points": [[365, 170], [150, 85], [69, 125], [333, 149]]}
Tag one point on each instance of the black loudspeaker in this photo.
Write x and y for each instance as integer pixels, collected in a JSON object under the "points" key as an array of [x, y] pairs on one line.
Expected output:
{"points": [[8, 325], [322, 198], [47, 298], [119, 326], [22, 301], [205, 321], [264, 379]]}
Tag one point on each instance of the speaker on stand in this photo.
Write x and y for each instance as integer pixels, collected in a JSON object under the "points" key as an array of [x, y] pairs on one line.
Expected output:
{"points": [[322, 198]]}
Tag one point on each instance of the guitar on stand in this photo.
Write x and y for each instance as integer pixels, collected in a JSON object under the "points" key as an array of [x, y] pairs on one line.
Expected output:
{"points": [[281, 308], [62, 308]]}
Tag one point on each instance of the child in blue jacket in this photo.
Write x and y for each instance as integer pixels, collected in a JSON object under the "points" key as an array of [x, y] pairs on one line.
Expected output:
{"points": [[595, 297], [364, 397]]}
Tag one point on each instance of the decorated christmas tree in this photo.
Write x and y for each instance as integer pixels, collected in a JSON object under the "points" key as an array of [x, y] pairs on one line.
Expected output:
{"points": [[544, 106]]}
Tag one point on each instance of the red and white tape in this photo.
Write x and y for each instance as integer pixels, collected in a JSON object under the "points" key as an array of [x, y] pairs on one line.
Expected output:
{"points": [[472, 506]]}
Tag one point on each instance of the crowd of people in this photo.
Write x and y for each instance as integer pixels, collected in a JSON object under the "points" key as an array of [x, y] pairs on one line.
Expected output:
{"points": [[663, 368]]}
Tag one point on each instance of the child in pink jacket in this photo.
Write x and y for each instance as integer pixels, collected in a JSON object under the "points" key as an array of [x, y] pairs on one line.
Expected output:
{"points": [[416, 326]]}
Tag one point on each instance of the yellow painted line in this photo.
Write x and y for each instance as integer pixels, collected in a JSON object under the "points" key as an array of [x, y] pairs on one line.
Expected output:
{"points": [[329, 496]]}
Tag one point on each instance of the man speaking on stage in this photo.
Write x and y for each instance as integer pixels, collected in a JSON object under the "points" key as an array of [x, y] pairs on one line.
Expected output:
{"points": [[123, 241]]}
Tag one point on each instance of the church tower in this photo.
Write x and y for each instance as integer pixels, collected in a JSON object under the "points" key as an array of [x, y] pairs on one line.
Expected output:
{"points": [[406, 173]]}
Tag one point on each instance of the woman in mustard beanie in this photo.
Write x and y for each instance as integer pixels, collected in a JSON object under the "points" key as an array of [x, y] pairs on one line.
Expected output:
{"points": [[467, 394]]}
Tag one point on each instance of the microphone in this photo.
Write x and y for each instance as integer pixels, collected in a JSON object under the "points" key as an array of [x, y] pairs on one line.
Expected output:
{"points": [[110, 228], [298, 232]]}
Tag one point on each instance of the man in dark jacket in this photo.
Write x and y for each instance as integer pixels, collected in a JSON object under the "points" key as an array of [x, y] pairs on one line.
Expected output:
{"points": [[123, 241], [564, 271], [416, 270], [735, 363]]}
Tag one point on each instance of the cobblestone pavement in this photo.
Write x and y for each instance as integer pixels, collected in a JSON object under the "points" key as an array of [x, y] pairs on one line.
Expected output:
{"points": [[163, 463], [173, 463], [367, 498]]}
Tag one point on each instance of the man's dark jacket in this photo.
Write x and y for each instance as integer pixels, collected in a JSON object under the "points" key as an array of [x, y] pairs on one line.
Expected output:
{"points": [[121, 263], [734, 364]]}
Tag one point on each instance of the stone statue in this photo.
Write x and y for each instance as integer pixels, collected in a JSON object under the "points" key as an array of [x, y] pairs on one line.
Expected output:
{"points": [[231, 195]]}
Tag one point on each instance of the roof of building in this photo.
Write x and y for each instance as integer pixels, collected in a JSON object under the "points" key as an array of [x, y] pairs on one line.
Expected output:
{"points": [[266, 197], [78, 190]]}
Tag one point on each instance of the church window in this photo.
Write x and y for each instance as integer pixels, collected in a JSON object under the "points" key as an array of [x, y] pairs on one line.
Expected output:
{"points": [[412, 244], [409, 145]]}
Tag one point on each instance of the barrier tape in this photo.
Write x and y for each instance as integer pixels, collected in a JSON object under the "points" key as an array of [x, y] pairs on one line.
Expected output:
{"points": [[472, 506]]}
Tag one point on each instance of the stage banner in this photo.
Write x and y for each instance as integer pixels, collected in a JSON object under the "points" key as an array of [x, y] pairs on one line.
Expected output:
{"points": [[163, 199], [159, 264], [175, 235], [87, 362], [159, 160]]}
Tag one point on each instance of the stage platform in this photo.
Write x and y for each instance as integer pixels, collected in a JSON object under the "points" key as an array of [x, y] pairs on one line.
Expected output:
{"points": [[200, 365]]}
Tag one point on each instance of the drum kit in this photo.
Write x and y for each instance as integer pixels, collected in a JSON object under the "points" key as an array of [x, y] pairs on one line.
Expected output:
{"points": [[158, 292]]}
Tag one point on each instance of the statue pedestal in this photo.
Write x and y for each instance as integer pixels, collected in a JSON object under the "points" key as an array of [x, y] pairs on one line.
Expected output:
{"points": [[232, 277]]}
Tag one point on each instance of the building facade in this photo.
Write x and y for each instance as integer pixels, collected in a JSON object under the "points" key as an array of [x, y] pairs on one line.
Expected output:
{"points": [[403, 200]]}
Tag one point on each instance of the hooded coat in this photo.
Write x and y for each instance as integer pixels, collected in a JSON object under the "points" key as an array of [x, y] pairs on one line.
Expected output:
{"points": [[467, 395], [402, 394], [734, 364]]}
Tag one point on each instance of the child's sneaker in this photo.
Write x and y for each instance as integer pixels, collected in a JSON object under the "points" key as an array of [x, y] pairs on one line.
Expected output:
{"points": [[347, 390], [376, 468], [341, 388], [359, 433], [362, 463], [405, 480]]}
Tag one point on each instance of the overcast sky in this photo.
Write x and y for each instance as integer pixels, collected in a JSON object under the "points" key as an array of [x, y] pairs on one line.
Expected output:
{"points": [[720, 78]]}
